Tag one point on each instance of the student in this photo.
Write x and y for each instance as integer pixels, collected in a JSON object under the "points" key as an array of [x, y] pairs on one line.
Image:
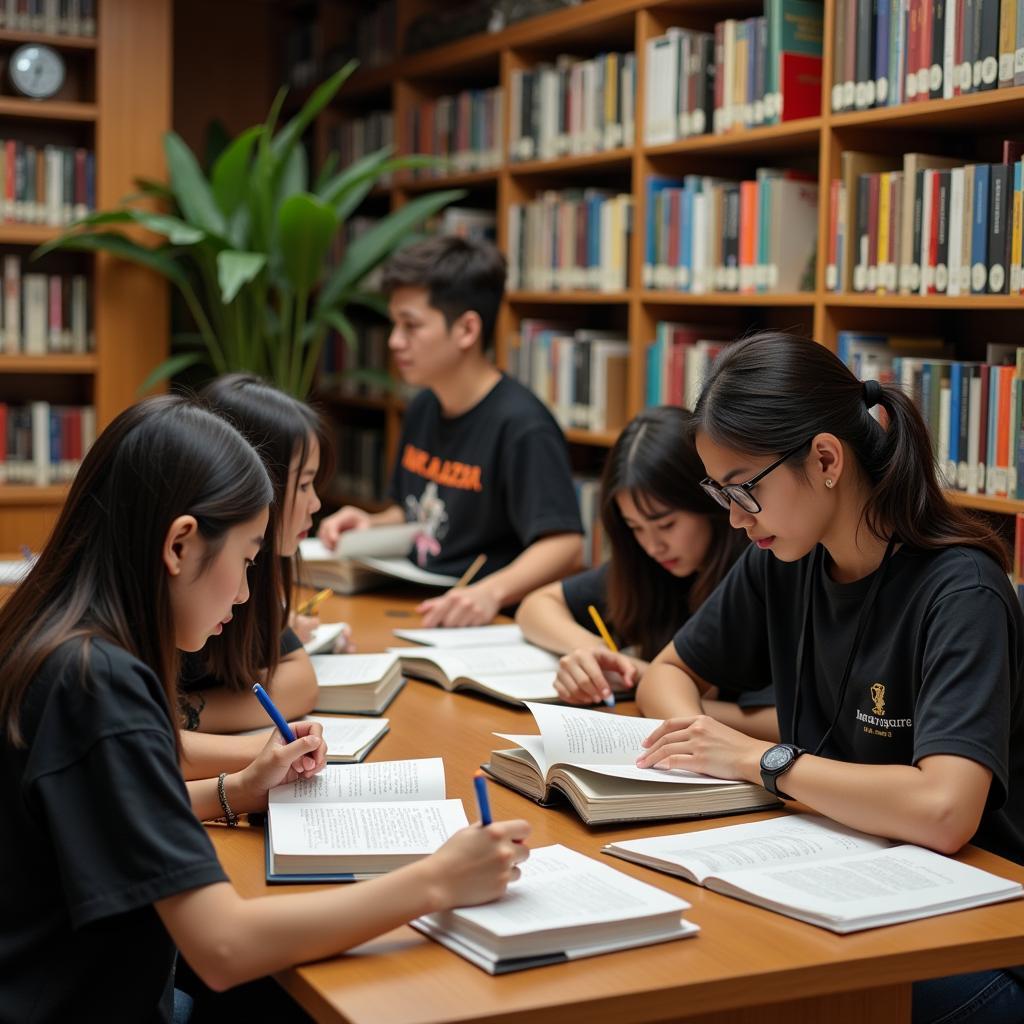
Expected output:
{"points": [[481, 464], [881, 613], [671, 544], [107, 869]]}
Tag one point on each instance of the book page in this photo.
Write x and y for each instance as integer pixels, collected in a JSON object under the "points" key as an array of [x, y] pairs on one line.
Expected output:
{"points": [[393, 541], [325, 829], [795, 838], [520, 686], [344, 737], [471, 636], [403, 569], [561, 888], [582, 736], [376, 782], [351, 669], [490, 661]]}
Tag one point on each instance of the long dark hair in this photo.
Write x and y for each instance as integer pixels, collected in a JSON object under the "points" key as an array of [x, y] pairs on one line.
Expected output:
{"points": [[655, 461], [100, 574], [772, 391], [279, 427]]}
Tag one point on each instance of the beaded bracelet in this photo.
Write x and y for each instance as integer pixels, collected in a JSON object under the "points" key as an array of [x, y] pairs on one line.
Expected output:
{"points": [[229, 815]]}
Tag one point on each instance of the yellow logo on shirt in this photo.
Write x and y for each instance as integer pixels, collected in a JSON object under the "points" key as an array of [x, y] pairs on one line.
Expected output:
{"points": [[877, 692]]}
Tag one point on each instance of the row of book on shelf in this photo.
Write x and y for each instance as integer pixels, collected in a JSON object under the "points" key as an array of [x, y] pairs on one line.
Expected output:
{"points": [[572, 107], [745, 73], [926, 224], [44, 313], [889, 52], [463, 131], [44, 444], [51, 184], [711, 234], [54, 17]]}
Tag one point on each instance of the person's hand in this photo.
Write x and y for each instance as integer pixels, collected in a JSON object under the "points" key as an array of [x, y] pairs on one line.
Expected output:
{"points": [[347, 518], [700, 744], [583, 674], [461, 606], [304, 626], [343, 641], [279, 762], [477, 864]]}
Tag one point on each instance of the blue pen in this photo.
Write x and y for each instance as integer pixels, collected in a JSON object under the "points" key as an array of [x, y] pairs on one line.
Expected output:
{"points": [[480, 784], [275, 716]]}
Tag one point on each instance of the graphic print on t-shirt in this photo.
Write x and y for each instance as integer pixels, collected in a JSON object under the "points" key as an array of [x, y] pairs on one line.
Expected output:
{"points": [[877, 723], [431, 514]]}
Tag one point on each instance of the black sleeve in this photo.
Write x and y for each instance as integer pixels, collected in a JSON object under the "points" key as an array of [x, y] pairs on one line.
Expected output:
{"points": [[586, 588], [538, 488], [726, 640], [121, 826], [964, 705], [289, 641]]}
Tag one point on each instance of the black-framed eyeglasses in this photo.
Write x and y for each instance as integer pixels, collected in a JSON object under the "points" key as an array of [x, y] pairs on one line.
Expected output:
{"points": [[740, 493]]}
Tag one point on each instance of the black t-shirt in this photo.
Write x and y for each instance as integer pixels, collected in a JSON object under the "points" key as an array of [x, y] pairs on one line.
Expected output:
{"points": [[97, 826], [590, 587], [938, 670], [491, 481], [194, 676]]}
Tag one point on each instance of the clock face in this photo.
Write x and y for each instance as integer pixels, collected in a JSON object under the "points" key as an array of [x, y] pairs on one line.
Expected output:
{"points": [[776, 757], [36, 71]]}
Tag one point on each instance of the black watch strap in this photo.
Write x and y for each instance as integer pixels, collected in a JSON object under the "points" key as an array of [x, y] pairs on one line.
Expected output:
{"points": [[770, 776]]}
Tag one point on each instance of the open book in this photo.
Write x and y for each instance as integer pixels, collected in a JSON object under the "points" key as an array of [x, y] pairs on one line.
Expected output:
{"points": [[565, 906], [590, 756], [365, 559], [818, 871], [348, 740], [358, 821], [512, 674], [356, 684], [467, 636]]}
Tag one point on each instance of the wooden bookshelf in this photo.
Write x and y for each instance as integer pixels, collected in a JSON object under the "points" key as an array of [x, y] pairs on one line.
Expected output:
{"points": [[124, 116], [814, 143]]}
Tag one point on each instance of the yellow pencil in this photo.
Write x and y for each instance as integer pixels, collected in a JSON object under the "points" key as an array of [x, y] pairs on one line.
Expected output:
{"points": [[470, 573], [309, 607], [609, 643]]}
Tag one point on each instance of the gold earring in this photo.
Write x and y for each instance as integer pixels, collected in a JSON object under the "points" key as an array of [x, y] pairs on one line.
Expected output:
{"points": [[828, 484]]}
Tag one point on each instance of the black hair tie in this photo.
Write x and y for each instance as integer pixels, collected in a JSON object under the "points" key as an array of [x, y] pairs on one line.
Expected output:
{"points": [[872, 393]]}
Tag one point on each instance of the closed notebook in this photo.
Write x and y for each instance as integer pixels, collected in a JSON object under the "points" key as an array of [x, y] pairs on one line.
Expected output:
{"points": [[513, 674], [356, 684], [818, 871], [348, 740], [564, 907], [358, 821], [589, 758]]}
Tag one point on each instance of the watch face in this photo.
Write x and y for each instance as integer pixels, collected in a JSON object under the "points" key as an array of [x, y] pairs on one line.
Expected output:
{"points": [[776, 757], [36, 71]]}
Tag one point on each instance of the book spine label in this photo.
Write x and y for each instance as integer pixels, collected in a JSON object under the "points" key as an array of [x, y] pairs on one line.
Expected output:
{"points": [[998, 250]]}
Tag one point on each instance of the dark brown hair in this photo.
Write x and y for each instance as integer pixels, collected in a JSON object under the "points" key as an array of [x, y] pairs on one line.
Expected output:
{"points": [[655, 461], [773, 391], [100, 575], [279, 427], [458, 274]]}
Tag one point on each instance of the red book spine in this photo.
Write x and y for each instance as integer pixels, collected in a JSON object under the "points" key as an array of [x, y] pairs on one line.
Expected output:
{"points": [[924, 56], [933, 239], [800, 81]]}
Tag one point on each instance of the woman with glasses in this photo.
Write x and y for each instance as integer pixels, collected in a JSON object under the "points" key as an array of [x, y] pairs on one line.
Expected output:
{"points": [[881, 613], [671, 544]]}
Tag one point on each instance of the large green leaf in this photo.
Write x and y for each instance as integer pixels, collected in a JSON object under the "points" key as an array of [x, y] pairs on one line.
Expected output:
{"points": [[116, 244], [190, 188], [294, 175], [230, 176], [235, 269], [327, 171], [306, 226], [322, 95], [153, 190], [175, 230], [380, 241], [371, 300], [169, 367], [356, 172]]}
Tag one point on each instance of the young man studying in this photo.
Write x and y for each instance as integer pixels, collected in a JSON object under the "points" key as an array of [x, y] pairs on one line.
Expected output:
{"points": [[481, 464]]}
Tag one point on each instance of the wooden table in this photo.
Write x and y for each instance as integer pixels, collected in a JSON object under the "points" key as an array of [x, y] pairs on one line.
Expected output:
{"points": [[747, 965]]}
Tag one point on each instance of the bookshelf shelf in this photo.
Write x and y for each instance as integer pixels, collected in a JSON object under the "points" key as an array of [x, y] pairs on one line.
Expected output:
{"points": [[667, 298], [13, 233], [859, 300], [596, 438], [788, 137], [47, 110], [570, 298], [58, 42], [78, 364], [17, 494], [984, 503], [613, 159], [998, 107]]}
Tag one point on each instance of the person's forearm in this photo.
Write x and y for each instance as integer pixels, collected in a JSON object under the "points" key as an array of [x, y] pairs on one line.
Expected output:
{"points": [[206, 800], [545, 620], [761, 723], [205, 755], [293, 689], [668, 692], [547, 559], [390, 516]]}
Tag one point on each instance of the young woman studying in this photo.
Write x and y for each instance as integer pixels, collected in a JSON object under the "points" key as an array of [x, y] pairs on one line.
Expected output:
{"points": [[881, 613], [108, 869], [671, 544]]}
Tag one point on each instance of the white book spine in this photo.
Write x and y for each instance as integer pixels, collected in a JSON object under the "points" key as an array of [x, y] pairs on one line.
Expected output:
{"points": [[41, 470]]}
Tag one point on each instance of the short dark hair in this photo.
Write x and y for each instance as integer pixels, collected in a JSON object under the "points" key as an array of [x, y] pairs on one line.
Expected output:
{"points": [[459, 275]]}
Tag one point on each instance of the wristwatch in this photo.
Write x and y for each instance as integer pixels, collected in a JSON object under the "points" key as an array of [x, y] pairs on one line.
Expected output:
{"points": [[776, 761]]}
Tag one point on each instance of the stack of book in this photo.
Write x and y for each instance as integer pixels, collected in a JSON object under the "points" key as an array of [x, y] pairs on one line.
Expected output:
{"points": [[464, 131], [579, 374], [54, 17], [572, 107], [929, 225], [44, 444], [709, 234], [51, 185], [43, 313], [573, 239], [678, 360], [746, 73], [904, 51]]}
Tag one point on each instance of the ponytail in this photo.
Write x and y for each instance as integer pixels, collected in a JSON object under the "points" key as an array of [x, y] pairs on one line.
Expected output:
{"points": [[772, 391]]}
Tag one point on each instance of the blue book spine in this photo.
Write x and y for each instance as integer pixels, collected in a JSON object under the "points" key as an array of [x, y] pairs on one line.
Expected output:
{"points": [[979, 230], [56, 451], [686, 238], [882, 53], [954, 419]]}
